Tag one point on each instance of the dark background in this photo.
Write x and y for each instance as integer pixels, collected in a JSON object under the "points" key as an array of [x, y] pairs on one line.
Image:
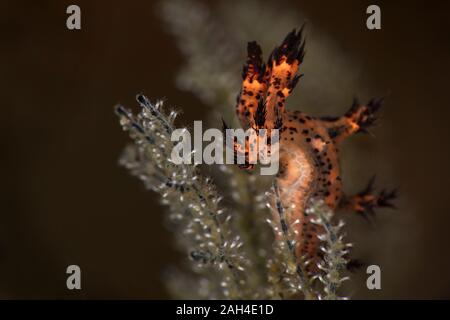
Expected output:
{"points": [[64, 199]]}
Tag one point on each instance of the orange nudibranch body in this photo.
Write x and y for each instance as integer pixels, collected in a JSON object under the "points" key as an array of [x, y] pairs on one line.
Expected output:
{"points": [[308, 146]]}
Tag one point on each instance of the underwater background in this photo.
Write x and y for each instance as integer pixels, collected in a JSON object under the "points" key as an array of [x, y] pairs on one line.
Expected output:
{"points": [[66, 201]]}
